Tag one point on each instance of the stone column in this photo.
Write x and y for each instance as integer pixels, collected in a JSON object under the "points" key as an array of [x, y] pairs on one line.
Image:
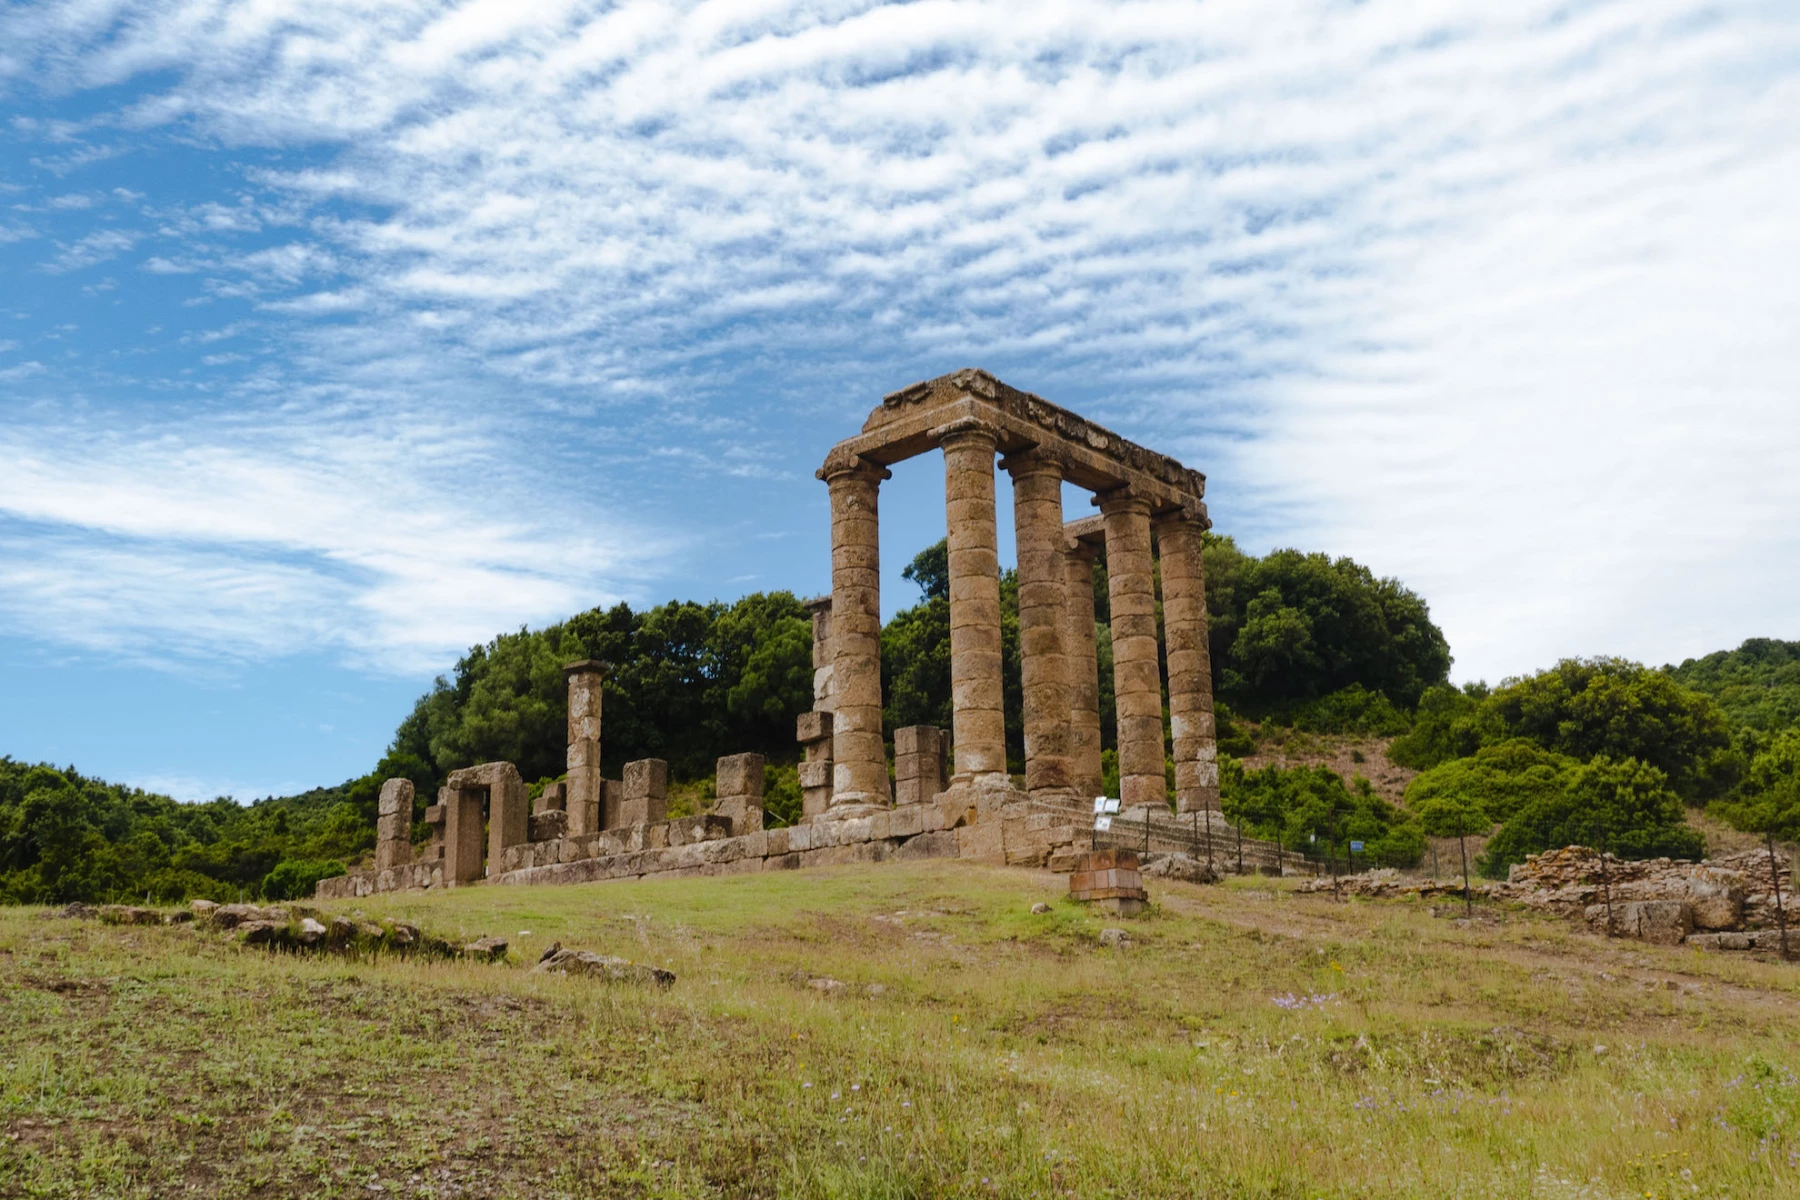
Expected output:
{"points": [[918, 764], [1137, 680], [1178, 536], [1084, 669], [1043, 585], [462, 833], [583, 803], [859, 756], [978, 723]]}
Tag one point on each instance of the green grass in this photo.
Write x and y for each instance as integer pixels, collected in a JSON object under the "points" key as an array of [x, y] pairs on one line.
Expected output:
{"points": [[1002, 1054]]}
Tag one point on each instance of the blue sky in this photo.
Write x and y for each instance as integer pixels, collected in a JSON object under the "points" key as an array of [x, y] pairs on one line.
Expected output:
{"points": [[335, 337]]}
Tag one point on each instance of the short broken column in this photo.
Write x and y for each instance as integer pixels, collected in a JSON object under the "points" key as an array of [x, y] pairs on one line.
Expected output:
{"points": [[977, 717], [739, 788], [585, 686], [918, 764], [813, 731], [1084, 669], [859, 752], [393, 825], [1137, 675], [646, 793], [1179, 538]]}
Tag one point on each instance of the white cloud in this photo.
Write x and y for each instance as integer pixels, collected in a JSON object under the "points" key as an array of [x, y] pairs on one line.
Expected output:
{"points": [[1496, 298]]}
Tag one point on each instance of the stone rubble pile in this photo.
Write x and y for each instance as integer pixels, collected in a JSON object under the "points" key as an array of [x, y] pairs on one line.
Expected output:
{"points": [[1725, 903]]}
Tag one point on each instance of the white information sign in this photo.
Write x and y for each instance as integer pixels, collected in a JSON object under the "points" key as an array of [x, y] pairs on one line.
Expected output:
{"points": [[1102, 824]]}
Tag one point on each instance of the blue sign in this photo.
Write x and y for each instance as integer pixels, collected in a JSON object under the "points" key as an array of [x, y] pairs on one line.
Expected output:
{"points": [[1356, 847]]}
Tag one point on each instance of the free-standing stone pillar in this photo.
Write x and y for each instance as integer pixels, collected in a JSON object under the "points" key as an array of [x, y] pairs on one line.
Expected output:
{"points": [[646, 791], [1084, 669], [584, 792], [978, 722], [462, 833], [739, 780], [1043, 585], [1137, 681], [859, 770], [1178, 536], [393, 824]]}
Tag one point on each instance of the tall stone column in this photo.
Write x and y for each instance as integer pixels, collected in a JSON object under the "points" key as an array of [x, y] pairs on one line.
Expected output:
{"points": [[583, 802], [859, 771], [1084, 669], [1137, 681], [978, 731], [1190, 662], [1043, 582]]}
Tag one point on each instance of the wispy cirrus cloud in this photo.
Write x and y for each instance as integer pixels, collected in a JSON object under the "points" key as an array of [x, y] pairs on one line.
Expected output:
{"points": [[1496, 299]]}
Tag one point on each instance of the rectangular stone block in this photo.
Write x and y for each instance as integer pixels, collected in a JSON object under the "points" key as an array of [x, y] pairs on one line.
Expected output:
{"points": [[646, 792], [554, 798], [549, 825], [396, 797], [394, 826], [777, 841], [740, 775], [812, 727], [942, 844], [816, 774]]}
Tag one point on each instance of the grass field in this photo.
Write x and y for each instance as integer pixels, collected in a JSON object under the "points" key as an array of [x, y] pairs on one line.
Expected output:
{"points": [[1250, 1042]]}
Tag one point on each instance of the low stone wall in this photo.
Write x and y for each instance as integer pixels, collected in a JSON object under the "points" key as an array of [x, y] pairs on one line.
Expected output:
{"points": [[1021, 833]]}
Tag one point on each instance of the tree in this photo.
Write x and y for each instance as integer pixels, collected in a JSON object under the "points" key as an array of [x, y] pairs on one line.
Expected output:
{"points": [[1757, 685], [1496, 781], [1623, 805], [1768, 802]]}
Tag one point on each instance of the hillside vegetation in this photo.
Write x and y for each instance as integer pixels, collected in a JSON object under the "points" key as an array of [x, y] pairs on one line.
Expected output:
{"points": [[902, 1030]]}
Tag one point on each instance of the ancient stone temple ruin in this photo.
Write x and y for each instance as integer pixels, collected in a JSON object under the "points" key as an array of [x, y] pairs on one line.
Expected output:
{"points": [[947, 793]]}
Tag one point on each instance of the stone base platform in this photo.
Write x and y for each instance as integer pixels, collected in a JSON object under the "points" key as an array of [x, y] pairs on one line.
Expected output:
{"points": [[1109, 879]]}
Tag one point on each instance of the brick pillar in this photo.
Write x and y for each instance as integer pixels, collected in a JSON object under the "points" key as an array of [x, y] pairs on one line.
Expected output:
{"points": [[978, 723], [1137, 679], [739, 779], [918, 764], [1084, 669], [859, 770], [1043, 585], [584, 791], [646, 788], [1190, 664], [393, 824], [813, 730]]}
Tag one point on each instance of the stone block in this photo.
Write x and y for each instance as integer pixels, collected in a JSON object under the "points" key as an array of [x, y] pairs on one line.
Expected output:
{"points": [[396, 797], [646, 787], [1662, 922], [980, 842], [906, 822], [434, 814], [554, 798], [815, 774], [800, 838], [777, 841], [741, 775], [942, 844], [812, 727], [549, 825]]}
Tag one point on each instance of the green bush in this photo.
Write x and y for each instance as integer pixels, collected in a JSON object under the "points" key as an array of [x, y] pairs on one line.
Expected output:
{"points": [[1310, 809], [1498, 780], [296, 879], [1768, 799], [1622, 805], [1355, 710]]}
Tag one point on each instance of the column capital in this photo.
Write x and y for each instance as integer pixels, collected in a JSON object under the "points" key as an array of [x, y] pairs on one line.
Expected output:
{"points": [[838, 465], [1033, 460], [966, 429], [1188, 514], [587, 666], [1081, 548], [1121, 500]]}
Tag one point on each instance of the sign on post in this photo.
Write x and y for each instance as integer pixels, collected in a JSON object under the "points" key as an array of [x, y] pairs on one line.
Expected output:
{"points": [[1356, 847]]}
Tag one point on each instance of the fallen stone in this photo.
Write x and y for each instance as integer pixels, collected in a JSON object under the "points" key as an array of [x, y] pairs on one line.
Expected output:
{"points": [[828, 986], [230, 916], [203, 909], [492, 949], [1116, 938], [343, 929], [551, 953], [1040, 907], [1180, 866], [180, 916], [74, 912], [604, 967], [126, 914], [876, 989], [260, 933], [310, 933]]}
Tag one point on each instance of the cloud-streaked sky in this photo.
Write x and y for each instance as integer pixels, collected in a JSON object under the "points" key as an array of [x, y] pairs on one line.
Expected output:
{"points": [[335, 337]]}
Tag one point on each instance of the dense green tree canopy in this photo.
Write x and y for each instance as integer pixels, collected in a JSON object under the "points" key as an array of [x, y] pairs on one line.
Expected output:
{"points": [[1768, 800], [1291, 628], [1757, 685], [1496, 781], [1581, 708]]}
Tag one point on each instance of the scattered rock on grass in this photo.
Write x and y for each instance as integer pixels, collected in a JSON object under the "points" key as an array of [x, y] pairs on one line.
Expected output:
{"points": [[1116, 938], [830, 987], [492, 949], [1180, 866], [1040, 907], [604, 967], [126, 914]]}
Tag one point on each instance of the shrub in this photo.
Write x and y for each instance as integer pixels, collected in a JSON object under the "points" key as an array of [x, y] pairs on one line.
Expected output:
{"points": [[296, 878], [1498, 780], [1622, 805]]}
